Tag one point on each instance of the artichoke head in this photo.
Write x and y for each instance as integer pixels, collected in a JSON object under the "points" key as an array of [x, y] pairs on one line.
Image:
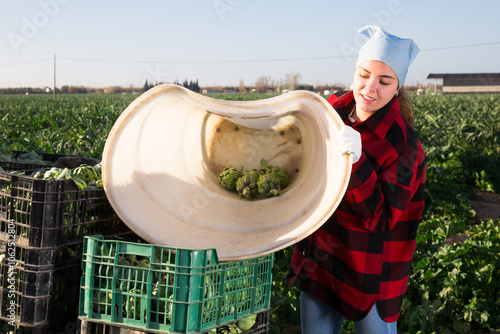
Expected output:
{"points": [[86, 173], [268, 185], [229, 176], [246, 185], [277, 172]]}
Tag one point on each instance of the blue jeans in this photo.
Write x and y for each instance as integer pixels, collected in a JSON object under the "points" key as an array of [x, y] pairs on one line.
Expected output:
{"points": [[317, 317]]}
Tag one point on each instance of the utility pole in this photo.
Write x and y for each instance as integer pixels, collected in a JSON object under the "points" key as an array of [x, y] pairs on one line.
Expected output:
{"points": [[54, 90]]}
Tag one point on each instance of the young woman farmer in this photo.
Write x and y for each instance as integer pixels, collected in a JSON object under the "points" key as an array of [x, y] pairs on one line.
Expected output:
{"points": [[356, 266]]}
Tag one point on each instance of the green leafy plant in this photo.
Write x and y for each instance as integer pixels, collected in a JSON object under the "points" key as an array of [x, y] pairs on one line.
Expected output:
{"points": [[482, 181]]}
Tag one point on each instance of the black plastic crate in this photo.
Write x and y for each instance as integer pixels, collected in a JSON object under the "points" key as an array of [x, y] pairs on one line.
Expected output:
{"points": [[90, 327], [43, 286], [38, 285], [50, 158], [60, 326], [54, 213]]}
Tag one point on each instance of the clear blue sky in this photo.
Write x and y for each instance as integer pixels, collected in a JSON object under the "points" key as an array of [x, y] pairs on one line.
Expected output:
{"points": [[220, 42]]}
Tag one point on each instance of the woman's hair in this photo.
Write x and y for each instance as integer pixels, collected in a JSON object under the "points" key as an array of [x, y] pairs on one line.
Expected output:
{"points": [[405, 106]]}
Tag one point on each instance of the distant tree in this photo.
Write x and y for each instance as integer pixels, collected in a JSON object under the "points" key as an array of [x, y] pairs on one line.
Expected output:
{"points": [[77, 90], [242, 87], [262, 84], [292, 80], [191, 85], [147, 86], [196, 87]]}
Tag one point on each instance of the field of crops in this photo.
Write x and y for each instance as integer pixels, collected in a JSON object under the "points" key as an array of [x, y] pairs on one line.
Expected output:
{"points": [[453, 288]]}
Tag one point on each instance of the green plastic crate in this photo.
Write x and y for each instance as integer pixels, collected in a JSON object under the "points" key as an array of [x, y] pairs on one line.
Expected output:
{"points": [[169, 290]]}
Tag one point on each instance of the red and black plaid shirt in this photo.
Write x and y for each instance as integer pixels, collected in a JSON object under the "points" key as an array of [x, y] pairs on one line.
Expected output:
{"points": [[361, 256]]}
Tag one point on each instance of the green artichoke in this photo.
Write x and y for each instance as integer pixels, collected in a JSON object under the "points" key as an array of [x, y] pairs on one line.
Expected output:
{"points": [[246, 185], [6, 155], [95, 184], [98, 168], [86, 173], [268, 185], [31, 158], [229, 176], [246, 323], [276, 171], [52, 173]]}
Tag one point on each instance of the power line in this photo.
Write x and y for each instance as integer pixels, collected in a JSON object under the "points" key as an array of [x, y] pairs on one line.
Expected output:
{"points": [[26, 62], [460, 46], [200, 61], [262, 60], [103, 60]]}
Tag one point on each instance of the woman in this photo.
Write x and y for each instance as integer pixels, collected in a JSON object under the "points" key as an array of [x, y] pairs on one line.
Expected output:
{"points": [[356, 266]]}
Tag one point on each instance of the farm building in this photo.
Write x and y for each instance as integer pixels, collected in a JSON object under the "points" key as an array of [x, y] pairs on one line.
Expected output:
{"points": [[468, 82]]}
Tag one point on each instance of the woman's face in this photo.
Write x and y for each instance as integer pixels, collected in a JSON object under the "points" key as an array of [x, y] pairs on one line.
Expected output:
{"points": [[374, 86]]}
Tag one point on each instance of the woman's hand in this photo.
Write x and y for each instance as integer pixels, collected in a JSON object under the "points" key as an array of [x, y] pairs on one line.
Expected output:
{"points": [[349, 141]]}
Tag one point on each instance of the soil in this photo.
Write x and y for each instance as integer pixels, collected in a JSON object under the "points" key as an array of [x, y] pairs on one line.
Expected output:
{"points": [[487, 206]]}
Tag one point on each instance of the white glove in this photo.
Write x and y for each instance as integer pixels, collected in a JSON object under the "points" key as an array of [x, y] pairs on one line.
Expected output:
{"points": [[349, 141]]}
